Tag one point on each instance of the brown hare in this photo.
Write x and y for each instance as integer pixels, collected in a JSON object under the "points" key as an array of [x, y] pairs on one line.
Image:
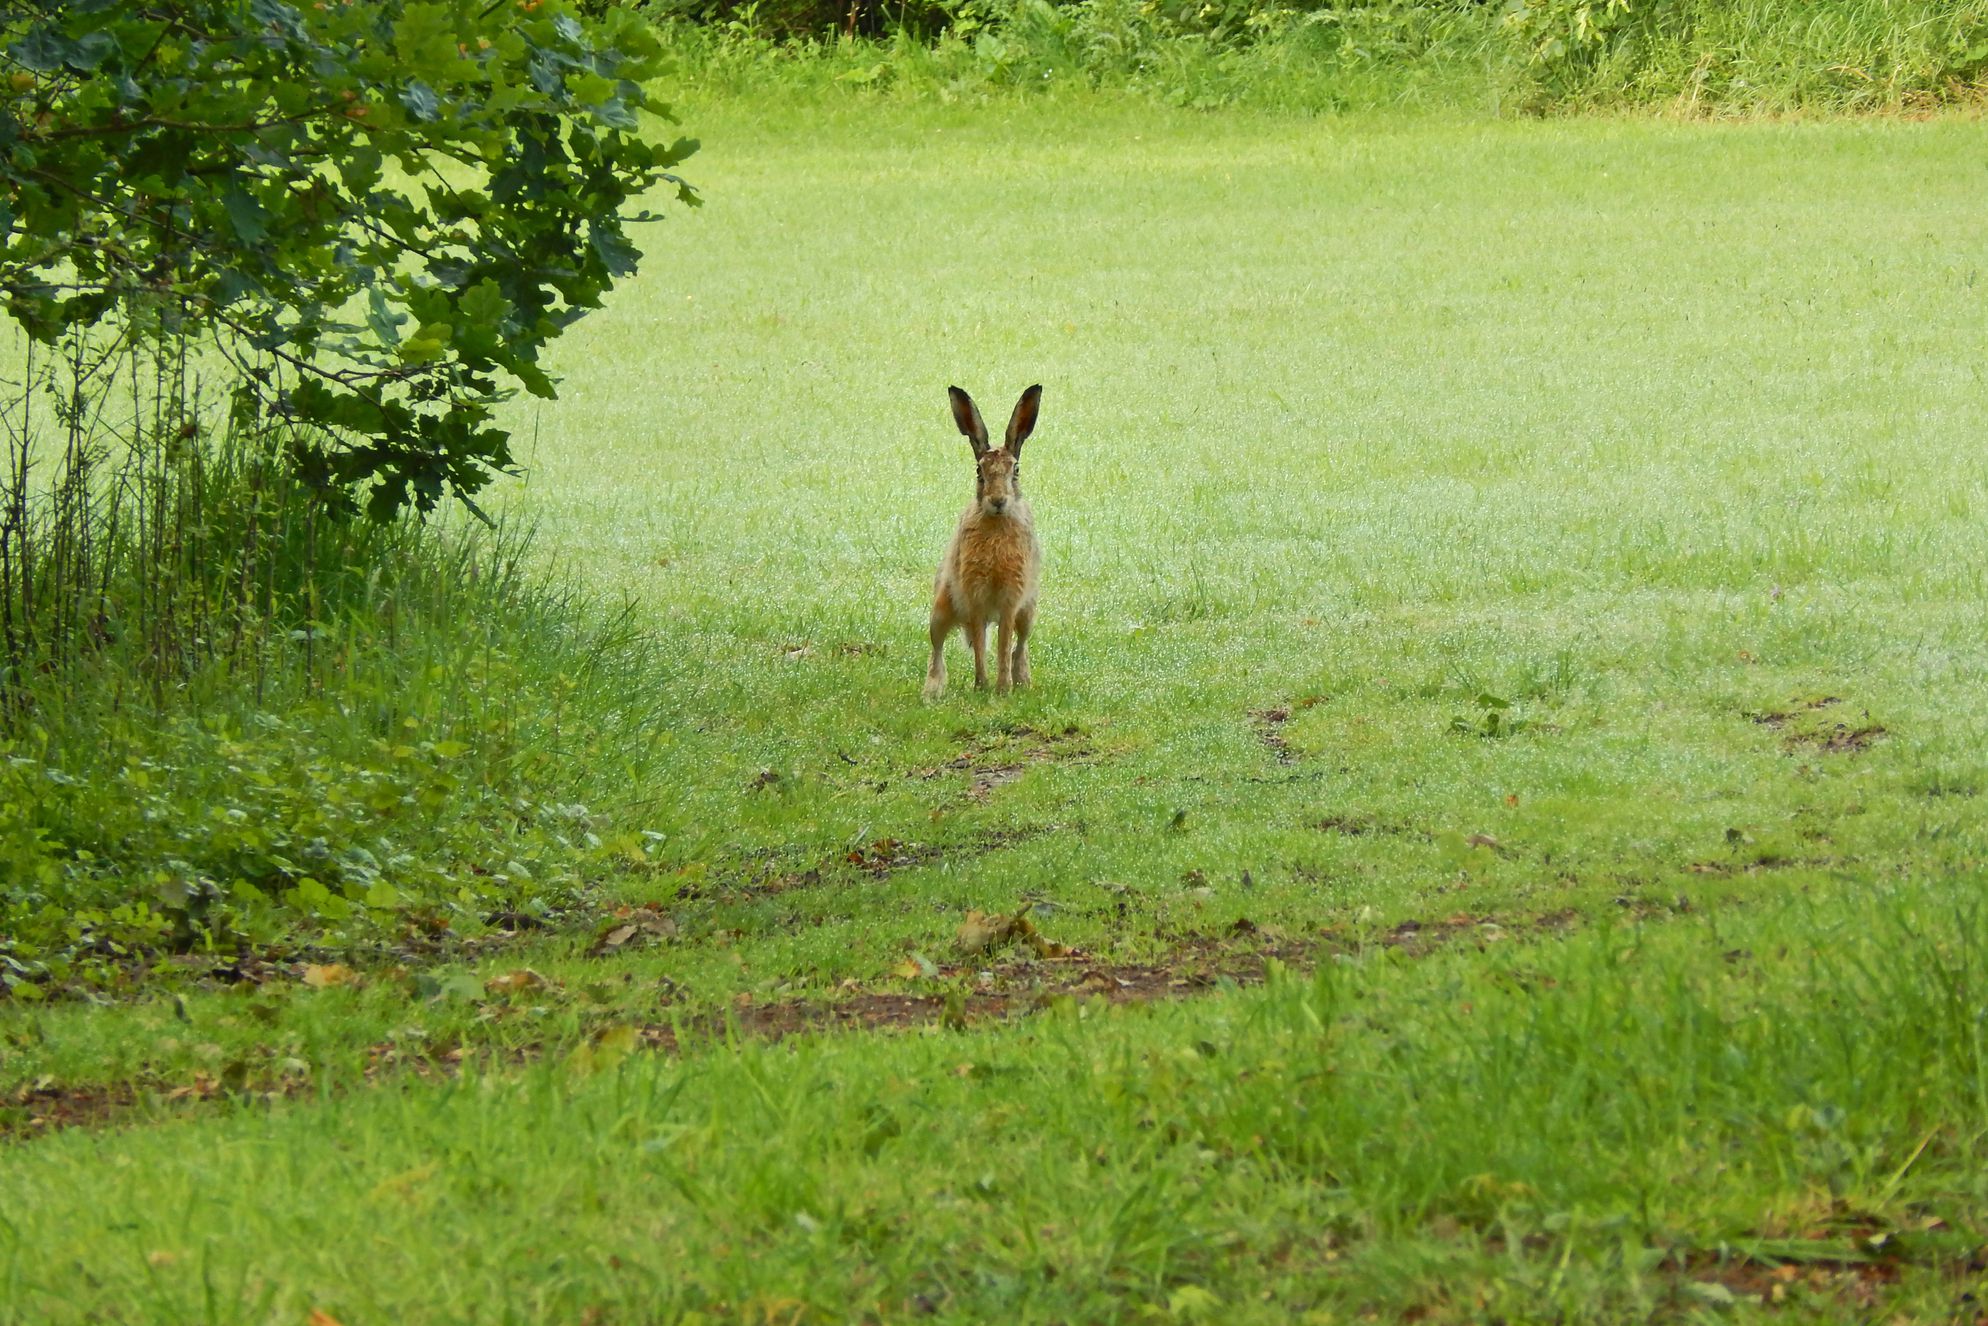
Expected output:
{"points": [[992, 566]]}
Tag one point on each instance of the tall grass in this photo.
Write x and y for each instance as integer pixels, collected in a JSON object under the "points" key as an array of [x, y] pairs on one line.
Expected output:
{"points": [[148, 540], [232, 714], [1689, 56]]}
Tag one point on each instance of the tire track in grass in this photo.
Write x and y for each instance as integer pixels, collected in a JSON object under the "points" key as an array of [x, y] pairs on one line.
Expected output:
{"points": [[983, 993]]}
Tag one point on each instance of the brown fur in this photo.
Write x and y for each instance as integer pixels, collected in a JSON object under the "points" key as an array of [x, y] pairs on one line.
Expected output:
{"points": [[991, 569]]}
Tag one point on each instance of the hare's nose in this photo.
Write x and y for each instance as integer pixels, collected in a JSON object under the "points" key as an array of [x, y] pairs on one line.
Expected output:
{"points": [[999, 504]]}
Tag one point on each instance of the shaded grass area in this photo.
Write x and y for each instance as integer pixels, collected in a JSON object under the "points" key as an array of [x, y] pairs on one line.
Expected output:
{"points": [[396, 757], [1573, 529]]}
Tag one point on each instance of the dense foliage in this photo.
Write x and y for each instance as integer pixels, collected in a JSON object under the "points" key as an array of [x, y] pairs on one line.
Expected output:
{"points": [[399, 203], [235, 721], [1697, 56], [275, 265]]}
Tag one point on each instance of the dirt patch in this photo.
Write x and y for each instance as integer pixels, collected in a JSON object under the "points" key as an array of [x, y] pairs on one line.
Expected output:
{"points": [[986, 781], [1841, 739], [983, 992], [1269, 724], [1856, 1271], [886, 856], [44, 1108], [1761, 865], [1800, 728], [1778, 718], [977, 991], [991, 762], [1009, 990], [424, 938], [1418, 938], [1359, 826], [878, 860]]}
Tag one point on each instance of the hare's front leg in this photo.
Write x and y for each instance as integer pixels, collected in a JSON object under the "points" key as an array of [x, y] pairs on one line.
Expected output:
{"points": [[976, 637], [1024, 622], [1004, 652], [941, 626]]}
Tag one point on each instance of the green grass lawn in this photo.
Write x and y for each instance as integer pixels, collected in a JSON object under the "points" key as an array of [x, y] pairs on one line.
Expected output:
{"points": [[1532, 574]]}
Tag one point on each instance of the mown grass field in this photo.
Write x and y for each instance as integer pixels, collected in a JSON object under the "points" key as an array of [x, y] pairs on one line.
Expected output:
{"points": [[1522, 583]]}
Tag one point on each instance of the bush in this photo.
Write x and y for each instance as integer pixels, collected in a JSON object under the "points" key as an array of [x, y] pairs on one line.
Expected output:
{"points": [[237, 719], [1537, 56], [400, 204], [234, 714]]}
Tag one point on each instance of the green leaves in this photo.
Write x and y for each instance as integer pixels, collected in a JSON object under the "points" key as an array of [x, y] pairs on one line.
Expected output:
{"points": [[247, 216], [264, 175]]}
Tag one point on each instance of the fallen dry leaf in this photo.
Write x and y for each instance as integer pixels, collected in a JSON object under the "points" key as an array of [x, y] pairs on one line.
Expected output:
{"points": [[608, 1047], [515, 982], [914, 967], [319, 1317], [633, 927], [983, 932], [980, 932], [322, 976], [406, 1184]]}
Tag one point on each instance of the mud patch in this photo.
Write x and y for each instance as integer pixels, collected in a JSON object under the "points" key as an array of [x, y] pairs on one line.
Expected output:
{"points": [[986, 781], [1418, 938], [993, 761], [1360, 826], [1856, 1270], [982, 993], [424, 938], [881, 858], [1765, 863], [1803, 728], [45, 1108], [1779, 718], [975, 992], [993, 994], [1841, 739], [1269, 731]]}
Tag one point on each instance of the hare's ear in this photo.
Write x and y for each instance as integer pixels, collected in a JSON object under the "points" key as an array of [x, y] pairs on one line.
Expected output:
{"points": [[967, 415], [1022, 422]]}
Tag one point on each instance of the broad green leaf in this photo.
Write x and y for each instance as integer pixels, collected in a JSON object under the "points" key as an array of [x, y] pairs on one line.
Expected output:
{"points": [[248, 217]]}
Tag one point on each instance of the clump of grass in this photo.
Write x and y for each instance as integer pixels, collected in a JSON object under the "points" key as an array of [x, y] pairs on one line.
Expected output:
{"points": [[232, 716]]}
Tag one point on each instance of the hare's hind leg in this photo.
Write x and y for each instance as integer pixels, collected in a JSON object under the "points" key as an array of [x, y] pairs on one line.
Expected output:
{"points": [[941, 626], [1024, 622]]}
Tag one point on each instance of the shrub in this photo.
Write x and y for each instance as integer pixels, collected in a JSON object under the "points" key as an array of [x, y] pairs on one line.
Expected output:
{"points": [[398, 204], [1537, 56], [236, 718]]}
